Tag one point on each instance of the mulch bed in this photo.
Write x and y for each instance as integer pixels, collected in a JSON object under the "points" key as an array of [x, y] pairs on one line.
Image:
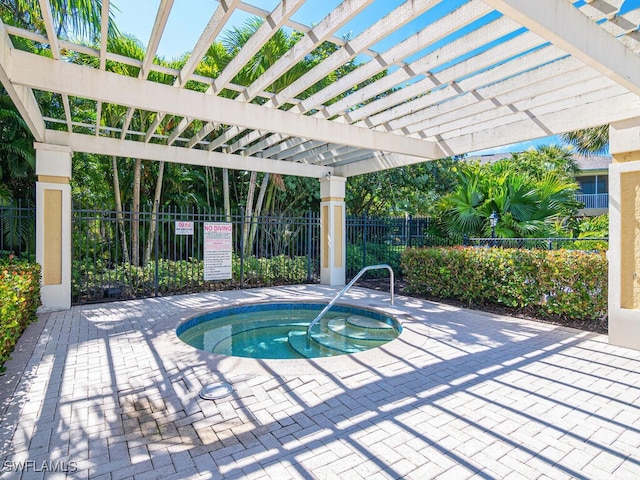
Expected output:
{"points": [[382, 284]]}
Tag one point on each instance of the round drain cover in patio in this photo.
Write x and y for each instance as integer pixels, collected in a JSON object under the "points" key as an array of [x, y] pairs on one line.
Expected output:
{"points": [[216, 390]]}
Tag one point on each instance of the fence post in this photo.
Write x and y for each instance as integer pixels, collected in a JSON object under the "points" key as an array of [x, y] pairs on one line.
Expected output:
{"points": [[242, 227], [156, 245], [364, 241], [309, 245], [409, 239]]}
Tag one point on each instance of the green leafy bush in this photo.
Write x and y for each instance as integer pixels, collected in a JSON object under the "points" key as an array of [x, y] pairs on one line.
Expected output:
{"points": [[94, 280], [276, 270], [557, 285], [19, 300]]}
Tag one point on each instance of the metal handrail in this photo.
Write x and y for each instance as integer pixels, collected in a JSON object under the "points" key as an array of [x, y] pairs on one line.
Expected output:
{"points": [[344, 290]]}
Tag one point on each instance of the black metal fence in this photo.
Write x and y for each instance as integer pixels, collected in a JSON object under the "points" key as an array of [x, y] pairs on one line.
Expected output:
{"points": [[18, 230], [142, 254], [376, 240], [557, 243]]}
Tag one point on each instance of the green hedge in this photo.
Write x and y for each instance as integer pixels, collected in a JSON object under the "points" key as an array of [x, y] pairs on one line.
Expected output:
{"points": [[90, 278], [556, 285], [19, 299]]}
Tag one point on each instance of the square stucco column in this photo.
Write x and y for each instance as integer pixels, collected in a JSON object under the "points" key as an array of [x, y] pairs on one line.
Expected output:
{"points": [[624, 234], [333, 251], [53, 225]]}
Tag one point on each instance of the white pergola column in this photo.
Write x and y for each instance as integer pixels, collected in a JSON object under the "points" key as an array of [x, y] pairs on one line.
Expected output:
{"points": [[624, 234], [53, 225], [333, 244]]}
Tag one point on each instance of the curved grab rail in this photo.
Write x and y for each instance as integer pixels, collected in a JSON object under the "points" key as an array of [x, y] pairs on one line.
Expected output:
{"points": [[344, 290]]}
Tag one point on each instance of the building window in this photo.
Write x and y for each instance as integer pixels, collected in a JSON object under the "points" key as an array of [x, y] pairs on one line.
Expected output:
{"points": [[594, 184]]}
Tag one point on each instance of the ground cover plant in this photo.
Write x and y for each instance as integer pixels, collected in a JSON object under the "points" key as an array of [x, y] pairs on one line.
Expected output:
{"points": [[565, 286], [19, 299]]}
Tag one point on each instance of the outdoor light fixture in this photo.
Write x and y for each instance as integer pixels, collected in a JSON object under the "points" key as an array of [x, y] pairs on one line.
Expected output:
{"points": [[493, 221]]}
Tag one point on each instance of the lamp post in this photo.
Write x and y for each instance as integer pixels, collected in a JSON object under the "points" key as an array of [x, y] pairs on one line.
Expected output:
{"points": [[493, 221]]}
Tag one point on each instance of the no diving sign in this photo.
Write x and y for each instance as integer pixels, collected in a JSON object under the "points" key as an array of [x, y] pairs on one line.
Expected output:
{"points": [[217, 251]]}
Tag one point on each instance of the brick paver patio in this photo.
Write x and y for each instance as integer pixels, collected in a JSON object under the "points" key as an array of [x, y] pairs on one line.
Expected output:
{"points": [[107, 392]]}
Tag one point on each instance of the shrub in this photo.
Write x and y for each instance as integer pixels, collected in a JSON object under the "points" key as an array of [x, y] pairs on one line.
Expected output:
{"points": [[95, 280], [557, 285], [19, 300]]}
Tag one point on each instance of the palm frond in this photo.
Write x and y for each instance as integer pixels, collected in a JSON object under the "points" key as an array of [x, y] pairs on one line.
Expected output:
{"points": [[590, 141]]}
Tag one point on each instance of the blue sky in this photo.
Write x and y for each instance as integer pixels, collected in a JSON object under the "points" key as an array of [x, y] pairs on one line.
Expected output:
{"points": [[183, 27], [189, 17]]}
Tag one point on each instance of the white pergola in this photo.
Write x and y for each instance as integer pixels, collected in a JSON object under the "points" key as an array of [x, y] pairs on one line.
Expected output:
{"points": [[482, 74]]}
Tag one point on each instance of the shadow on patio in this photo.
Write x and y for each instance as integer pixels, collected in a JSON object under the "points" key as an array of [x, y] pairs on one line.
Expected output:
{"points": [[483, 397]]}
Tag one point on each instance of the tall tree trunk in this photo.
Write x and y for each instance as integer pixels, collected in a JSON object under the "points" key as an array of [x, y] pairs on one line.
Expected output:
{"points": [[215, 188], [208, 187], [154, 214], [225, 194], [258, 210], [119, 216], [248, 211], [135, 219], [269, 200]]}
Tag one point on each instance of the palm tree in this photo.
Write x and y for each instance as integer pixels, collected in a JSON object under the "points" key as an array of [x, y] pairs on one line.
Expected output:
{"points": [[590, 141], [231, 43], [527, 205], [113, 114], [17, 155], [79, 18], [17, 172]]}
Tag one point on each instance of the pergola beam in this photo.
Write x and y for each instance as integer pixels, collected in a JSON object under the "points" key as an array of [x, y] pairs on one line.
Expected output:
{"points": [[360, 44], [377, 161], [398, 17], [47, 18], [332, 22], [430, 34], [156, 35], [62, 77], [154, 41], [272, 23], [436, 121], [503, 116], [104, 34], [578, 117], [149, 151], [469, 81], [599, 9], [570, 30], [427, 36], [462, 77], [22, 96], [219, 18]]}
